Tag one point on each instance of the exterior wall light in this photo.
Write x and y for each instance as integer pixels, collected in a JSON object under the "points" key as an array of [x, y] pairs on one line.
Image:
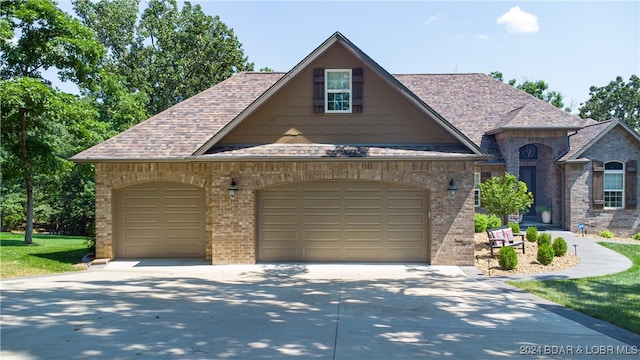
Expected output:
{"points": [[233, 189], [452, 189]]}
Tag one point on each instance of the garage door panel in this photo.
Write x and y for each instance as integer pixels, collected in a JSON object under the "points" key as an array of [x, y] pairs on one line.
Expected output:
{"points": [[405, 219], [405, 235], [320, 203], [182, 217], [279, 219], [160, 219], [321, 253], [321, 235], [345, 221], [364, 253], [405, 203], [280, 254], [280, 235], [141, 233], [280, 203], [321, 219], [131, 218]]}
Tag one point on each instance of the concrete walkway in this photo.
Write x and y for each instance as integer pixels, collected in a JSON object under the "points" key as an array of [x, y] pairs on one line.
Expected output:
{"points": [[165, 309]]}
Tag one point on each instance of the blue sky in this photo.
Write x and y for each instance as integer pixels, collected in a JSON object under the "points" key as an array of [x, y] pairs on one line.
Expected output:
{"points": [[570, 45]]}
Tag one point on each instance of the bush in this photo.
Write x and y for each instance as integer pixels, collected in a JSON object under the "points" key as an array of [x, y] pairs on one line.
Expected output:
{"points": [[515, 227], [606, 234], [545, 254], [559, 246], [544, 239], [508, 258], [480, 222], [636, 236], [494, 222], [532, 234]]}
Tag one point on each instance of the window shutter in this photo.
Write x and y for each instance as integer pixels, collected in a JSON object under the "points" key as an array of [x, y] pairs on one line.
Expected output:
{"points": [[318, 90], [358, 90], [631, 184], [597, 184]]}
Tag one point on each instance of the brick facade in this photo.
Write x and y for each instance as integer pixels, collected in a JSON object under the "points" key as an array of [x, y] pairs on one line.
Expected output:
{"points": [[230, 228], [616, 145]]}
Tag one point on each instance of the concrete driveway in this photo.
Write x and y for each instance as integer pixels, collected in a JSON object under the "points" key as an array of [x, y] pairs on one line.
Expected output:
{"points": [[156, 310]]}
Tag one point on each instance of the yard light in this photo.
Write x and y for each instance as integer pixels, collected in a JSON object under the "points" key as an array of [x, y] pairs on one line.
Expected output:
{"points": [[233, 189], [452, 189]]}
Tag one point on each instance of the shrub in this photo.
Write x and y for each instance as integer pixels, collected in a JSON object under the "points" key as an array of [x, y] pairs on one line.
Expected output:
{"points": [[515, 227], [544, 239], [494, 222], [532, 234], [545, 254], [480, 222], [636, 236], [508, 258], [559, 246], [606, 234]]}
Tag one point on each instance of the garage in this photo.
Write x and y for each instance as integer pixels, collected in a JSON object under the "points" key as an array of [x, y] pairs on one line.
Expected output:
{"points": [[347, 221], [159, 220]]}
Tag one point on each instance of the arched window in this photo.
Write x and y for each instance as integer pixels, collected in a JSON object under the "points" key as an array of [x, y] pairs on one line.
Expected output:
{"points": [[614, 185]]}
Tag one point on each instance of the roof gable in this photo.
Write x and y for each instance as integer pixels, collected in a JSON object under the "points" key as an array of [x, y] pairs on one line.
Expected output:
{"points": [[324, 56], [587, 137]]}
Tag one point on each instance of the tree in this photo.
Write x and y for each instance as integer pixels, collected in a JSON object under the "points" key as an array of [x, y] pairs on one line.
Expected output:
{"points": [[616, 100], [36, 35], [505, 195], [539, 89], [167, 53]]}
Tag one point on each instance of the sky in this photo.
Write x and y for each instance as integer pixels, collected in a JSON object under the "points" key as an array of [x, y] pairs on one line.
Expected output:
{"points": [[570, 45]]}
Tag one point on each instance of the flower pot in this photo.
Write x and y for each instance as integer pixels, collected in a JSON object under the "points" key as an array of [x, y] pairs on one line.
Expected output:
{"points": [[546, 217]]}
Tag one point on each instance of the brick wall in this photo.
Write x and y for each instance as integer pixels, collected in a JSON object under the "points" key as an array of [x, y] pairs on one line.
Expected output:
{"points": [[616, 145], [231, 225]]}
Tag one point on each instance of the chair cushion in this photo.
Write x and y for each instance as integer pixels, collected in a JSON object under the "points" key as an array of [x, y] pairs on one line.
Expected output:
{"points": [[497, 234], [508, 234]]}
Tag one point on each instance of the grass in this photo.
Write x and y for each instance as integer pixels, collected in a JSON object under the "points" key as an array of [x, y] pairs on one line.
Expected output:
{"points": [[48, 254], [613, 298]]}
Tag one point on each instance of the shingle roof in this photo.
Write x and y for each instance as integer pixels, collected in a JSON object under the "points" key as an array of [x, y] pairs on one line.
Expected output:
{"points": [[180, 130], [477, 104], [474, 103]]}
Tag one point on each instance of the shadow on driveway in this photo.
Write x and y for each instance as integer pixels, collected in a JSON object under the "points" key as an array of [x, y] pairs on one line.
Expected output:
{"points": [[328, 311]]}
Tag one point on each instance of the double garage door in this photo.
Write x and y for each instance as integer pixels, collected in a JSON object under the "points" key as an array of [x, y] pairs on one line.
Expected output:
{"points": [[159, 220], [343, 221]]}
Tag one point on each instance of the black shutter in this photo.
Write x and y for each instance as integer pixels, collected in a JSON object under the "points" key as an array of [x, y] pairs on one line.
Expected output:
{"points": [[597, 184], [318, 90], [631, 185], [357, 90]]}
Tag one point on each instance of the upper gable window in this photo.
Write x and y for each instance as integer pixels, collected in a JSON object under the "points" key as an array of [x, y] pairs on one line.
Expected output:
{"points": [[337, 91]]}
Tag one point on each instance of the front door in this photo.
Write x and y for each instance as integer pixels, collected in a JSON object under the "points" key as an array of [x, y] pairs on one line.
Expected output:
{"points": [[528, 176]]}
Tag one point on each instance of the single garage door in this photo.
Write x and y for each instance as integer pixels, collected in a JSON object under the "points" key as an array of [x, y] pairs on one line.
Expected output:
{"points": [[343, 221], [159, 220]]}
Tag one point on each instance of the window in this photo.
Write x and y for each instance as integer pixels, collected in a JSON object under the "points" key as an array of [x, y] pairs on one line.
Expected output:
{"points": [[337, 91], [476, 189], [614, 185]]}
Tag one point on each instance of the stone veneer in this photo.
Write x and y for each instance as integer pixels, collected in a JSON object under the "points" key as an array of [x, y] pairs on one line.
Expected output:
{"points": [[230, 228]]}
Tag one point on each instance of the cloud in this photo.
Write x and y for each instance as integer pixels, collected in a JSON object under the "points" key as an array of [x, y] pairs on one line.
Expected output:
{"points": [[433, 18], [519, 21]]}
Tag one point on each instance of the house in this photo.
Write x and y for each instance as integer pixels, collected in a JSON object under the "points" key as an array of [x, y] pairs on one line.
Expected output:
{"points": [[338, 160]]}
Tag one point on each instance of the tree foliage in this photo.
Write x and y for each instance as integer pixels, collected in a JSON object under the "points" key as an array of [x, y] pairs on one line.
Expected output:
{"points": [[505, 195], [617, 100], [166, 54], [35, 120], [538, 88]]}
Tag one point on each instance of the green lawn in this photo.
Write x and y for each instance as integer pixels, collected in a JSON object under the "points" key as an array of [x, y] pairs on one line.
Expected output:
{"points": [[48, 254], [613, 298]]}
